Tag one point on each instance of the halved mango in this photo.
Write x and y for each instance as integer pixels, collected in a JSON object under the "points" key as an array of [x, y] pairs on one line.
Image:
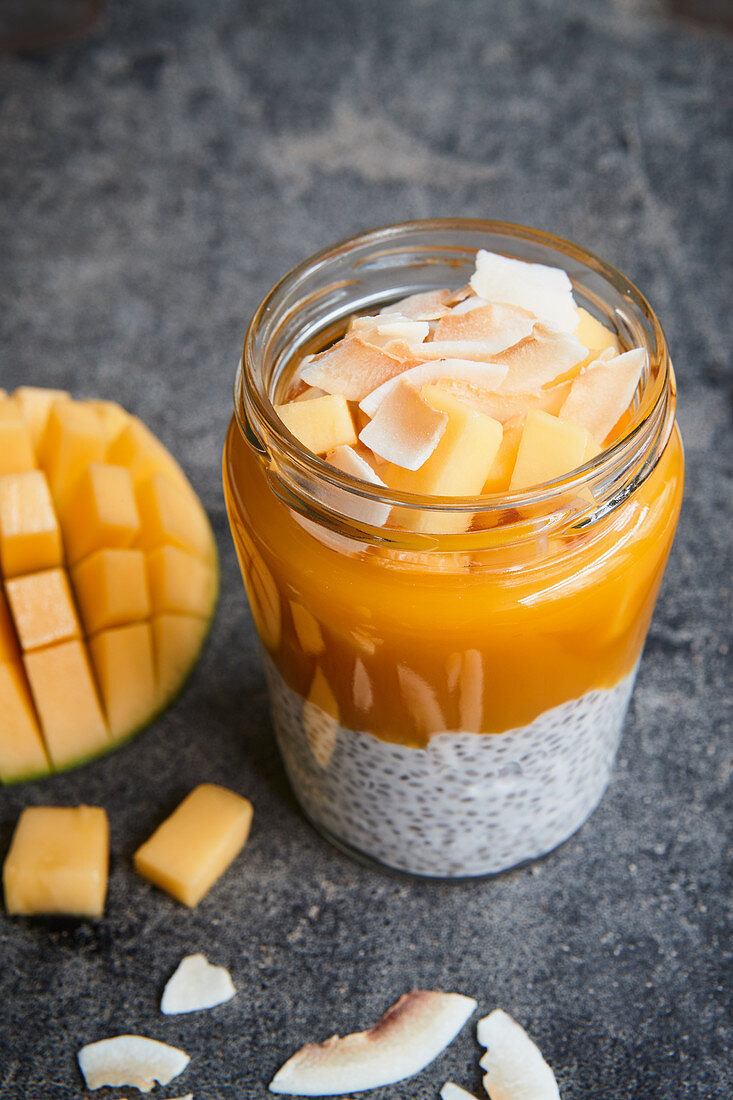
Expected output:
{"points": [[86, 664]]}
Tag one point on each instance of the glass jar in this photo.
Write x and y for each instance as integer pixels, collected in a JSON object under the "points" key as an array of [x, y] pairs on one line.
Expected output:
{"points": [[447, 702]]}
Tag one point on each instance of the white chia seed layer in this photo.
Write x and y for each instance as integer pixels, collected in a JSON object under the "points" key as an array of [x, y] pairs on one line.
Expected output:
{"points": [[468, 804]]}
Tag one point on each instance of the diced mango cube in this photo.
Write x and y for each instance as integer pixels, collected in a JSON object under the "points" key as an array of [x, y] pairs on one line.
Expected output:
{"points": [[124, 667], [101, 511], [111, 588], [459, 465], [16, 445], [66, 701], [35, 404], [22, 755], [594, 335], [170, 515], [43, 608], [113, 416], [30, 538], [136, 447], [58, 862], [73, 437], [549, 449], [500, 473], [320, 424], [180, 582], [195, 845], [176, 641]]}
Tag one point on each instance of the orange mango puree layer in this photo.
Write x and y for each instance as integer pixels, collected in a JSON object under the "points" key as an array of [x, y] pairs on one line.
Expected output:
{"points": [[459, 643]]}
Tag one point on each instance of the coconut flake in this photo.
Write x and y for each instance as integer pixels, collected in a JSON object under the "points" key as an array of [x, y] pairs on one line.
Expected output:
{"points": [[604, 391], [472, 302], [500, 325], [405, 429], [515, 1067], [476, 350], [505, 406], [485, 375], [408, 1037], [130, 1060], [429, 305], [379, 330], [545, 291], [539, 360], [450, 1091], [196, 985], [349, 462], [352, 367]]}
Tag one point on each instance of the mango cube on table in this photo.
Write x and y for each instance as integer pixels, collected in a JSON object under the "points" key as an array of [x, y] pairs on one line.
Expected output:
{"points": [[195, 845], [58, 862]]}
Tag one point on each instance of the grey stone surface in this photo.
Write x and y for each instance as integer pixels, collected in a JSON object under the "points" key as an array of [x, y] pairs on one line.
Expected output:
{"points": [[157, 177]]}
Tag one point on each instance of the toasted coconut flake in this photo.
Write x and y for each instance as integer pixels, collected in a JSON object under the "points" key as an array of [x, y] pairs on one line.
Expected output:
{"points": [[363, 693], [379, 330], [471, 302], [196, 985], [405, 429], [450, 1091], [408, 1037], [545, 291], [483, 375], [476, 350], [515, 1068], [352, 367], [130, 1060], [539, 360], [348, 461], [504, 406], [604, 391], [501, 326], [430, 305]]}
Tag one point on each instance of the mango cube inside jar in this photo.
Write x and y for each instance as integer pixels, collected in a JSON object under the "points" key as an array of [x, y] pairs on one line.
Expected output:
{"points": [[449, 675]]}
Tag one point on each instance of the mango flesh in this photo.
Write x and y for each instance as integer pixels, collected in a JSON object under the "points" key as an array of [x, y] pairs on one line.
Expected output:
{"points": [[58, 862], [109, 579], [195, 845]]}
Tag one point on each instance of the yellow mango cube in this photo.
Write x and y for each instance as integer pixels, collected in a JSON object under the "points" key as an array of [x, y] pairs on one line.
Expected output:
{"points": [[593, 335], [499, 476], [171, 516], [176, 641], [137, 448], [58, 862], [74, 436], [549, 449], [180, 582], [320, 424], [459, 465], [22, 755], [34, 403], [113, 417], [195, 845], [111, 589], [66, 702], [101, 511], [9, 648], [30, 538], [43, 608], [124, 668], [16, 445]]}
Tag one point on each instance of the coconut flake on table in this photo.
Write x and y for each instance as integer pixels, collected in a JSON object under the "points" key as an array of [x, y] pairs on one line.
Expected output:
{"points": [[196, 985], [405, 430], [130, 1060], [410, 1035], [488, 375], [352, 368], [545, 291], [603, 391], [539, 360], [496, 324], [515, 1068], [450, 1091]]}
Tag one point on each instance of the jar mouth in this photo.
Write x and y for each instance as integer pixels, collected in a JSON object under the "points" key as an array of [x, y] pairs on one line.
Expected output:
{"points": [[619, 468]]}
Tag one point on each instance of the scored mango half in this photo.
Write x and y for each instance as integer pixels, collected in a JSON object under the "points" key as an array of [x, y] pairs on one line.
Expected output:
{"points": [[109, 579]]}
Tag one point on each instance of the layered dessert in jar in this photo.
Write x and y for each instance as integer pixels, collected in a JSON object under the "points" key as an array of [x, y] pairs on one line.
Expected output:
{"points": [[453, 478]]}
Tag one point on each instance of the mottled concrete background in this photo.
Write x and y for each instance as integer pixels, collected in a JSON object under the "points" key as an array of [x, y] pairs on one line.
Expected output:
{"points": [[157, 177]]}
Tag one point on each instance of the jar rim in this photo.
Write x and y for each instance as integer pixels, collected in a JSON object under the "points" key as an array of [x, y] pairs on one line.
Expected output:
{"points": [[639, 437]]}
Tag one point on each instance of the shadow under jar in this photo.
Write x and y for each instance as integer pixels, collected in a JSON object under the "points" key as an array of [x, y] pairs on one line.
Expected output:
{"points": [[447, 704]]}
